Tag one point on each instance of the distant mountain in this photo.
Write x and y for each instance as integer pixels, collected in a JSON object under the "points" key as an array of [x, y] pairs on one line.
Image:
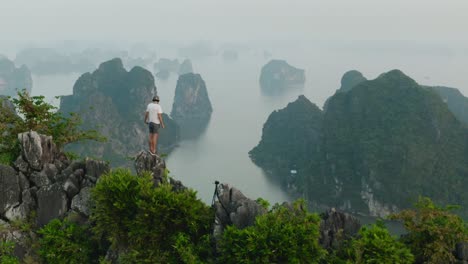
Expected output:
{"points": [[14, 79], [457, 103], [278, 75], [348, 81], [114, 101], [382, 144], [290, 139], [192, 108]]}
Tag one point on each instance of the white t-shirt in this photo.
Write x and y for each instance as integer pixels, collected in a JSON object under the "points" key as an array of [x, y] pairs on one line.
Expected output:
{"points": [[153, 110]]}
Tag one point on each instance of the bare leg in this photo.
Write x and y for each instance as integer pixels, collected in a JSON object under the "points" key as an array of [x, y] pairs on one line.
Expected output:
{"points": [[155, 140], [150, 142]]}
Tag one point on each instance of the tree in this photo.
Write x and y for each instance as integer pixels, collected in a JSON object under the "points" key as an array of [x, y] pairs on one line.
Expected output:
{"points": [[33, 113], [433, 231], [151, 225], [283, 235]]}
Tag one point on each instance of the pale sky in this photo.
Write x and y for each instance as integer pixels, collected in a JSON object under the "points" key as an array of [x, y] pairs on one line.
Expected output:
{"points": [[440, 22]]}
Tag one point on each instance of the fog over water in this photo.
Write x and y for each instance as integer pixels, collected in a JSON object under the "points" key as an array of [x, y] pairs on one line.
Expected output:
{"points": [[326, 38]]}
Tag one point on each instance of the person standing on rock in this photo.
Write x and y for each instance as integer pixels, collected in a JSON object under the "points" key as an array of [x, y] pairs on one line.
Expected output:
{"points": [[153, 117]]}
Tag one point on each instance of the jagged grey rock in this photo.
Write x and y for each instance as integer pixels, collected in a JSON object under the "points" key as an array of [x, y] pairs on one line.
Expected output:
{"points": [[37, 149], [153, 164], [233, 207], [337, 226], [81, 202], [13, 79], [51, 203], [10, 192], [95, 168], [461, 251]]}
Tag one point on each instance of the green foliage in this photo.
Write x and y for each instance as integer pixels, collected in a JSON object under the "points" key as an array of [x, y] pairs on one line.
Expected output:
{"points": [[433, 231], [156, 225], [6, 253], [375, 245], [284, 235], [65, 242], [33, 113]]}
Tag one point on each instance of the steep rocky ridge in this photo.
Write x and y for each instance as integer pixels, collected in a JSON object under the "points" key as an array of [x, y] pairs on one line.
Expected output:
{"points": [[387, 141], [191, 109], [113, 101], [14, 79], [348, 81], [290, 139]]}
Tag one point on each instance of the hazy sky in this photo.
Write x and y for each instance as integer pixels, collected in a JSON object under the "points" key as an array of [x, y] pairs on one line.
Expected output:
{"points": [[442, 22]]}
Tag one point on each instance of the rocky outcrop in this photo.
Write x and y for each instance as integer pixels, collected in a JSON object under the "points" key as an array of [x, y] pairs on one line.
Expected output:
{"points": [[336, 227], [234, 208], [192, 107], [278, 75], [46, 182], [145, 162], [461, 252], [113, 101], [185, 67], [290, 140], [14, 79]]}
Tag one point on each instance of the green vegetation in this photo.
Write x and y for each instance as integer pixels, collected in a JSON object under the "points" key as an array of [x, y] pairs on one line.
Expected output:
{"points": [[156, 225], [374, 245], [6, 253], [65, 242], [290, 140], [33, 113], [284, 235], [433, 231]]}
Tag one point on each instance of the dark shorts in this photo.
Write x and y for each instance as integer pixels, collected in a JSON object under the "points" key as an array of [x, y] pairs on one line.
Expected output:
{"points": [[154, 128]]}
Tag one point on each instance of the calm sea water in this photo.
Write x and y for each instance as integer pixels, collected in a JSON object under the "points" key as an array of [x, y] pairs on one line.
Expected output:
{"points": [[240, 109]]}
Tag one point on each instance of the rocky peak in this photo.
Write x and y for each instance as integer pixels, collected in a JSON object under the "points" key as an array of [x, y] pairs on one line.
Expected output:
{"points": [[192, 107], [351, 79], [396, 78], [185, 67]]}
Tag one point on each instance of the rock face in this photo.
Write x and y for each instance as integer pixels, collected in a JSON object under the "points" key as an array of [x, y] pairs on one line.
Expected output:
{"points": [[13, 79], [456, 102], [113, 101], [185, 67], [385, 142], [46, 182], [290, 139], [461, 252], [146, 162], [233, 208], [277, 75], [336, 227], [192, 107]]}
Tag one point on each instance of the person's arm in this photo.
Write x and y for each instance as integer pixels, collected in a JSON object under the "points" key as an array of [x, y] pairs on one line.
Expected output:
{"points": [[161, 120], [146, 117]]}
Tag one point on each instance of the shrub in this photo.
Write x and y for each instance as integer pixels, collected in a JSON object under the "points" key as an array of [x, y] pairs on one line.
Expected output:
{"points": [[283, 235], [6, 253], [152, 225], [65, 242], [433, 231]]}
